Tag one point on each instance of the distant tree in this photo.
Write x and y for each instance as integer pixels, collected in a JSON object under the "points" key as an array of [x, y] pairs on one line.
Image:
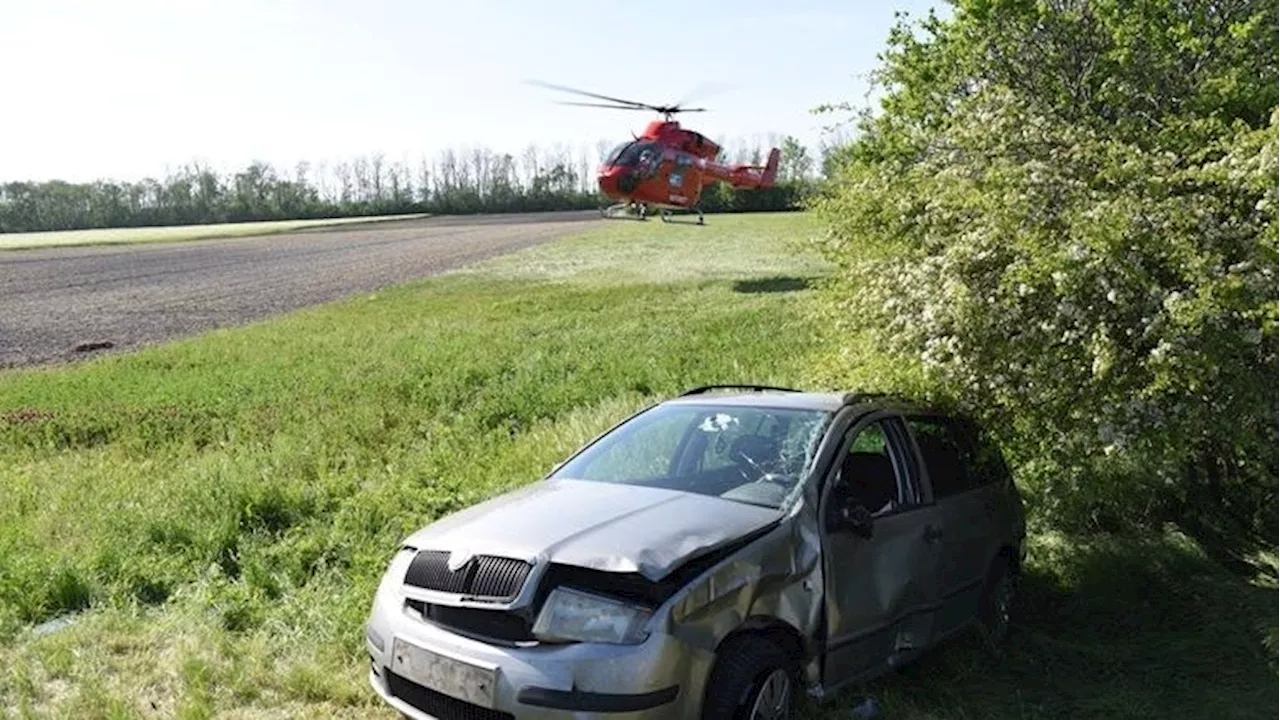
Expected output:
{"points": [[475, 180], [795, 164]]}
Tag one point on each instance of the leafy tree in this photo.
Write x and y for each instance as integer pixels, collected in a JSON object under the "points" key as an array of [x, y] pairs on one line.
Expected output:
{"points": [[1159, 73], [1065, 217], [795, 164]]}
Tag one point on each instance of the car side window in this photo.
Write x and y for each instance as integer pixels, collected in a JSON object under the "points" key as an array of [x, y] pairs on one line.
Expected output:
{"points": [[948, 454], [868, 474]]}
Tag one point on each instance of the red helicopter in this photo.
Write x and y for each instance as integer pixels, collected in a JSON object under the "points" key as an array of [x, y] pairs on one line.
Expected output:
{"points": [[666, 166]]}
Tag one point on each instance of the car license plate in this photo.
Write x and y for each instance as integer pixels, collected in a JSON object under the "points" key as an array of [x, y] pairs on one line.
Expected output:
{"points": [[468, 681]]}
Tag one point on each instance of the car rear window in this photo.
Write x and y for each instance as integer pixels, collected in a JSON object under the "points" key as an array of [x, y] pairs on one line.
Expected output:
{"points": [[948, 452]]}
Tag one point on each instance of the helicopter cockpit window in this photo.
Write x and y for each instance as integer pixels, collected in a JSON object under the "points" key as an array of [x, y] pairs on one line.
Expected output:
{"points": [[636, 153], [616, 152]]}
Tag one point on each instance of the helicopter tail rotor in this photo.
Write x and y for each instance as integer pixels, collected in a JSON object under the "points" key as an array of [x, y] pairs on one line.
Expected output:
{"points": [[770, 173]]}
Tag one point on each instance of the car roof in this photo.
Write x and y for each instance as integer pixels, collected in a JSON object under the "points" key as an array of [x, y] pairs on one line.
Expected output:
{"points": [[798, 400], [764, 396]]}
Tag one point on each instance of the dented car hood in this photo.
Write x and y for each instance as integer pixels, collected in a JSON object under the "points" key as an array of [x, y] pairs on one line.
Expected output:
{"points": [[603, 526]]}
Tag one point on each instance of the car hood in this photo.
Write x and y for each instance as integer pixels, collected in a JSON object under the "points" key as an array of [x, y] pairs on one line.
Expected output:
{"points": [[603, 526]]}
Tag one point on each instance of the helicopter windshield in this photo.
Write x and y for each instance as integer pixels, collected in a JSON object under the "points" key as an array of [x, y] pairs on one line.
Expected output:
{"points": [[612, 157], [630, 154]]}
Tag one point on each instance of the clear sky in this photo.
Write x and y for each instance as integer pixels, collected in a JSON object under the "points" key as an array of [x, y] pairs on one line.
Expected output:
{"points": [[122, 89]]}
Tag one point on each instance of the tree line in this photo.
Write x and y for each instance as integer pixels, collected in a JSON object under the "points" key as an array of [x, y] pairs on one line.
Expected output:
{"points": [[455, 182]]}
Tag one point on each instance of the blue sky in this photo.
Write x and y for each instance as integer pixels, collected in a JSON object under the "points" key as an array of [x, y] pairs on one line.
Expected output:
{"points": [[127, 88]]}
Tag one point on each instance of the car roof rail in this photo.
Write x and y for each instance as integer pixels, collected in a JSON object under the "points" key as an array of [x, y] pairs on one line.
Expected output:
{"points": [[853, 398], [900, 401], [702, 389]]}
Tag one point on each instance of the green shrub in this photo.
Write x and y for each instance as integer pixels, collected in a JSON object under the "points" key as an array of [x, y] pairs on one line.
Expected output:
{"points": [[1113, 309], [1105, 298]]}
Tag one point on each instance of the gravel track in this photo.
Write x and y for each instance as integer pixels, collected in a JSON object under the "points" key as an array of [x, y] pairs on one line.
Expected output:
{"points": [[54, 299]]}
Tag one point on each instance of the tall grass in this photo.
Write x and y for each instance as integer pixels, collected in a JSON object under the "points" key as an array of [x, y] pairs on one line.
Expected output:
{"points": [[213, 514], [232, 499]]}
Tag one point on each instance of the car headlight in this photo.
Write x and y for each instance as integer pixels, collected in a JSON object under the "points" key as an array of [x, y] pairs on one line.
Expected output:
{"points": [[574, 615]]}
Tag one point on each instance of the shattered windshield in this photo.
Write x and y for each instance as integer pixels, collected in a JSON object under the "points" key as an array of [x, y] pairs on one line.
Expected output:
{"points": [[756, 455]]}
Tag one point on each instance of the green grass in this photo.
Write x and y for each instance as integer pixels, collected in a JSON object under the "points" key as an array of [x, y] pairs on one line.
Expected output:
{"points": [[217, 511], [175, 233], [227, 503]]}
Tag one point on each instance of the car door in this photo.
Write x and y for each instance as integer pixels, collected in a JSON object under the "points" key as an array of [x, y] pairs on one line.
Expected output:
{"points": [[881, 590], [967, 507]]}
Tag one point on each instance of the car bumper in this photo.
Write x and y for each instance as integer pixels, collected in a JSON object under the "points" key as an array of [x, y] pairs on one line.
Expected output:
{"points": [[659, 678]]}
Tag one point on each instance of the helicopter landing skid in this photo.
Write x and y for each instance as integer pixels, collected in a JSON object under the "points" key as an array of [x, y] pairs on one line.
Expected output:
{"points": [[669, 216], [622, 211]]}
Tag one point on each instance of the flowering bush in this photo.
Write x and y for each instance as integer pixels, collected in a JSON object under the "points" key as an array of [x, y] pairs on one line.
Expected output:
{"points": [[1106, 301]]}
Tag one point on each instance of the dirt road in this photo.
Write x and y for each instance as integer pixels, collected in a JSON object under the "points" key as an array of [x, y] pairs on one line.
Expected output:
{"points": [[53, 300]]}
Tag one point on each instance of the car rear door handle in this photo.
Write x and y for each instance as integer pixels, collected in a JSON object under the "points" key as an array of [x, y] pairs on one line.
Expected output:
{"points": [[932, 533]]}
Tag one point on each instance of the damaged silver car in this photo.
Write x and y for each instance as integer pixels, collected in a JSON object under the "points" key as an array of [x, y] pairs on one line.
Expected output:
{"points": [[712, 556]]}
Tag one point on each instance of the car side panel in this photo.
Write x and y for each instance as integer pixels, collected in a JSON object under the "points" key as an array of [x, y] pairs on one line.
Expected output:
{"points": [[877, 588], [882, 590], [969, 541], [976, 522]]}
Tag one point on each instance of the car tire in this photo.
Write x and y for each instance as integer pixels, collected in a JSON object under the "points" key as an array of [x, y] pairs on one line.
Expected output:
{"points": [[753, 679], [997, 601]]}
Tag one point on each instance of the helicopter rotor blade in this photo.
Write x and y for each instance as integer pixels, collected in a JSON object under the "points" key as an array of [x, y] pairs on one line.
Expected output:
{"points": [[563, 88], [670, 110], [600, 105], [618, 103]]}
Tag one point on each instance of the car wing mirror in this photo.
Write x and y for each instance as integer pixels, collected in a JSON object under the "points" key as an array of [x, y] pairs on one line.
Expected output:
{"points": [[857, 519]]}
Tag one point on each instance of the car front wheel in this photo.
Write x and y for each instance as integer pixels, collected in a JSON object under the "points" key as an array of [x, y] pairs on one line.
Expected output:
{"points": [[753, 679]]}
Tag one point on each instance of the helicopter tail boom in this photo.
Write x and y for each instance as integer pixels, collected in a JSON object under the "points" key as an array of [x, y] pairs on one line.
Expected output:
{"points": [[748, 176]]}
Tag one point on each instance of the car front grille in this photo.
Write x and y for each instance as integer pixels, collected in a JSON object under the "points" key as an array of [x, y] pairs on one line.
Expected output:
{"points": [[483, 577], [480, 623], [438, 704]]}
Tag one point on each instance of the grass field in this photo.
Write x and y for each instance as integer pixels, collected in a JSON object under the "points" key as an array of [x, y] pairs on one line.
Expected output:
{"points": [[214, 514], [174, 233]]}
